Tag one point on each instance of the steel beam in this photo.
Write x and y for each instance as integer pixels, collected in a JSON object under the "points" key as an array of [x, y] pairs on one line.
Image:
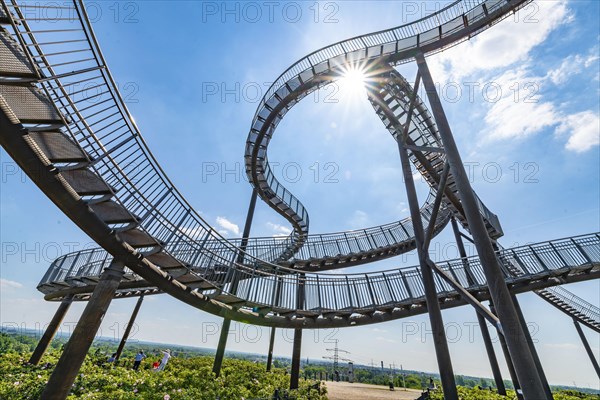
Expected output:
{"points": [[221, 347], [436, 206], [295, 370], [516, 341], [509, 363], [136, 310], [536, 358], [489, 348], [433, 306], [588, 349], [468, 297], [485, 333], [234, 284], [463, 253], [51, 330], [64, 374], [270, 353]]}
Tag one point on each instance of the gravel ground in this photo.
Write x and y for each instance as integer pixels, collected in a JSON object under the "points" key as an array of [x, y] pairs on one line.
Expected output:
{"points": [[361, 391]]}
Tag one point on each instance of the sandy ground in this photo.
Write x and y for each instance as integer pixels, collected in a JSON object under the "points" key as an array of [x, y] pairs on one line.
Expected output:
{"points": [[361, 391]]}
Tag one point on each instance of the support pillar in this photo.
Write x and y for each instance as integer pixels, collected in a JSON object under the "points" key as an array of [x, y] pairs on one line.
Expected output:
{"points": [[270, 354], [295, 370], [240, 259], [515, 338], [534, 353], [433, 306], [221, 347], [485, 334], [136, 310], [51, 330], [509, 363], [64, 374], [588, 349], [489, 348]]}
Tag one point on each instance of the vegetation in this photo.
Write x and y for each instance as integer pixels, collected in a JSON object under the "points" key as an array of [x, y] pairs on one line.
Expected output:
{"points": [[188, 375], [183, 378], [486, 394]]}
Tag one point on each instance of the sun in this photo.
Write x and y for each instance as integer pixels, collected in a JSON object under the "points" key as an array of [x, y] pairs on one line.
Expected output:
{"points": [[352, 82]]}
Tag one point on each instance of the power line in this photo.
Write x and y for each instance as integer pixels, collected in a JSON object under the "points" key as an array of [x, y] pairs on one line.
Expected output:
{"points": [[336, 356]]}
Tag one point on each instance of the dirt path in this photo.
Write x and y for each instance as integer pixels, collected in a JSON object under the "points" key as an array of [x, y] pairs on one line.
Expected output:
{"points": [[361, 391]]}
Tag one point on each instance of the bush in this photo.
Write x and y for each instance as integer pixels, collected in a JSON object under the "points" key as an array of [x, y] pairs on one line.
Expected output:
{"points": [[183, 379]]}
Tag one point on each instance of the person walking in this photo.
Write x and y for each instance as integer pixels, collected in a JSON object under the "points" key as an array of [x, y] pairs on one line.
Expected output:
{"points": [[112, 358], [139, 357], [165, 359]]}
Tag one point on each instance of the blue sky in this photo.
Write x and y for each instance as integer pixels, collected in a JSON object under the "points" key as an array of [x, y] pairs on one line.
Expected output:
{"points": [[522, 100]]}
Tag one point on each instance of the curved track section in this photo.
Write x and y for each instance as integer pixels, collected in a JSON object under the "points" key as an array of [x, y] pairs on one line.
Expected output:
{"points": [[451, 25], [86, 153], [334, 300]]}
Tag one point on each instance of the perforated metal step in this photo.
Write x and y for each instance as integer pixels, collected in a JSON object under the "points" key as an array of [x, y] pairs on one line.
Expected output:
{"points": [[112, 213], [13, 61], [3, 17], [85, 182], [137, 239], [28, 105], [57, 147]]}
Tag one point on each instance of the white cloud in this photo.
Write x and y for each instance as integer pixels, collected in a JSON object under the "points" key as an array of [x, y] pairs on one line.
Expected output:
{"points": [[279, 230], [517, 113], [359, 219], [227, 226], [7, 284], [521, 113], [508, 42], [583, 129], [379, 330], [573, 65], [383, 339]]}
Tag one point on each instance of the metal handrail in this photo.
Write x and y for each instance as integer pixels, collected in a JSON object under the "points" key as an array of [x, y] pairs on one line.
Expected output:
{"points": [[447, 22], [587, 309], [335, 294], [119, 155]]}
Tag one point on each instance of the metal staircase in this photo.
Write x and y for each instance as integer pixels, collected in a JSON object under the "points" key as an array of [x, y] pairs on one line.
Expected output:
{"points": [[572, 305], [86, 153]]}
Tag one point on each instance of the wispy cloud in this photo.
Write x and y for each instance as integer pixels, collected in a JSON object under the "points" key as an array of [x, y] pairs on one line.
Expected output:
{"points": [[279, 230], [583, 129], [359, 219], [510, 41], [8, 284], [227, 226], [384, 339], [573, 65]]}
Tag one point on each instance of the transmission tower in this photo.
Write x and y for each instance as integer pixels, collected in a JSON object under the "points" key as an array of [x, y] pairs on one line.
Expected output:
{"points": [[335, 356]]}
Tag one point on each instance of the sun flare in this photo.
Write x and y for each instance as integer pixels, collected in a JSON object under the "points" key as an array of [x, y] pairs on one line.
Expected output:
{"points": [[352, 82]]}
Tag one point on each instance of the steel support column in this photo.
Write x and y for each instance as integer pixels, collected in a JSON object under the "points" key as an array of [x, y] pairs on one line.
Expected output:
{"points": [[485, 333], [534, 353], [51, 330], [221, 347], [295, 370], [240, 259], [588, 349], [270, 354], [489, 348], [136, 310], [64, 374], [516, 341], [433, 307], [509, 363]]}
